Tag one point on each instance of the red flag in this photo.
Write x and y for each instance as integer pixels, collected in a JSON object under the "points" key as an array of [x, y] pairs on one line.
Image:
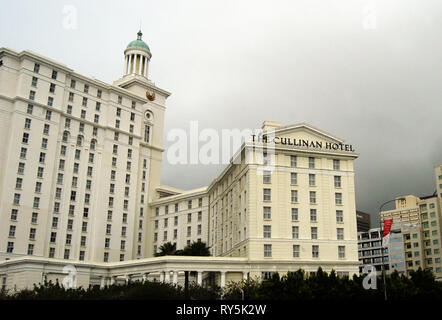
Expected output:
{"points": [[386, 234]]}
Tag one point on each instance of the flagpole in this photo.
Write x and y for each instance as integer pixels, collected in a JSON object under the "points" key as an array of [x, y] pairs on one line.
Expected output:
{"points": [[382, 244], [382, 254]]}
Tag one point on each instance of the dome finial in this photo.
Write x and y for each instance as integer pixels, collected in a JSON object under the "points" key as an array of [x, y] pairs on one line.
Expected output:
{"points": [[139, 35]]}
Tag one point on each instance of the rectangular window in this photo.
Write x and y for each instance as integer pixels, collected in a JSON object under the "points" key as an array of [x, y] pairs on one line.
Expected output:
{"points": [[294, 214], [339, 216], [293, 178], [12, 231], [266, 177], [267, 213], [267, 250], [34, 81], [315, 251], [340, 233], [314, 232], [73, 82], [267, 232], [18, 183], [54, 74], [312, 196], [293, 161], [31, 95], [267, 195], [27, 123], [311, 180], [313, 216], [21, 168], [311, 162], [341, 252], [44, 143], [338, 198], [99, 92], [36, 68], [23, 152], [86, 88], [46, 129], [84, 102], [42, 157], [294, 195], [17, 199], [40, 172], [14, 214], [52, 88], [30, 109], [296, 251], [68, 239], [295, 232], [336, 164], [25, 138], [337, 181]]}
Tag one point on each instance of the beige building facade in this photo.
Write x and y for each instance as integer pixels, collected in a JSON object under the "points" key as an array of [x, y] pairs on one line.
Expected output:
{"points": [[80, 185]]}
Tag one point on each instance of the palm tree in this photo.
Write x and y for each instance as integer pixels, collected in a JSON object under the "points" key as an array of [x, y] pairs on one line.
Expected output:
{"points": [[167, 249], [194, 249], [197, 248]]}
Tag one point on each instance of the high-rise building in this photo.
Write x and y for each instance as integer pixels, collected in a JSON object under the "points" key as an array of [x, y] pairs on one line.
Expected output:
{"points": [[80, 160], [362, 221], [418, 220], [80, 184]]}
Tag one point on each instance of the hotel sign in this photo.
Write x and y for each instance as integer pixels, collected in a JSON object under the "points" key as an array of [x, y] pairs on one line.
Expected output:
{"points": [[302, 143]]}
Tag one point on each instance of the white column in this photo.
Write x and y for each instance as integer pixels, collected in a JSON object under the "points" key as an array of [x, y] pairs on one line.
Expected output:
{"points": [[145, 276], [102, 283], [199, 278], [112, 281], [141, 65], [223, 279], [131, 63], [145, 67], [167, 277], [244, 275], [108, 282], [161, 276], [175, 277], [126, 59]]}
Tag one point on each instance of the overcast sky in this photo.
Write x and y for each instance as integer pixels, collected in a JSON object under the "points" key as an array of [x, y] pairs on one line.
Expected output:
{"points": [[369, 72]]}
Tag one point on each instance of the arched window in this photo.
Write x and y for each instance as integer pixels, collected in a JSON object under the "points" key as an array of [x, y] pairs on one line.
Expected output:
{"points": [[65, 136], [93, 144], [79, 140]]}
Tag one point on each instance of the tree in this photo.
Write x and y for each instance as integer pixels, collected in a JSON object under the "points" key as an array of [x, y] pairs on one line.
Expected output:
{"points": [[197, 248], [194, 249], [167, 249]]}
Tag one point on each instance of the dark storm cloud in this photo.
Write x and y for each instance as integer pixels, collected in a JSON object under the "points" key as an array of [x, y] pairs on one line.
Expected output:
{"points": [[233, 64]]}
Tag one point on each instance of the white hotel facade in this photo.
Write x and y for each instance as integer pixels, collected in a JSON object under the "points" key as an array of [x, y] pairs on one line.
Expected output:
{"points": [[80, 185]]}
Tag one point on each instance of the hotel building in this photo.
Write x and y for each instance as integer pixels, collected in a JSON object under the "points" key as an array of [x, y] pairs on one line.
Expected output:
{"points": [[80, 185]]}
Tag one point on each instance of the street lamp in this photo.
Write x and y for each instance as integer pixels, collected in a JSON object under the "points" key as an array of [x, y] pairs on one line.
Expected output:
{"points": [[382, 245]]}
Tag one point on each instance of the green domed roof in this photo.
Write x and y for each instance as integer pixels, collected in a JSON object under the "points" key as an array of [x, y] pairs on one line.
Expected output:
{"points": [[138, 43]]}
